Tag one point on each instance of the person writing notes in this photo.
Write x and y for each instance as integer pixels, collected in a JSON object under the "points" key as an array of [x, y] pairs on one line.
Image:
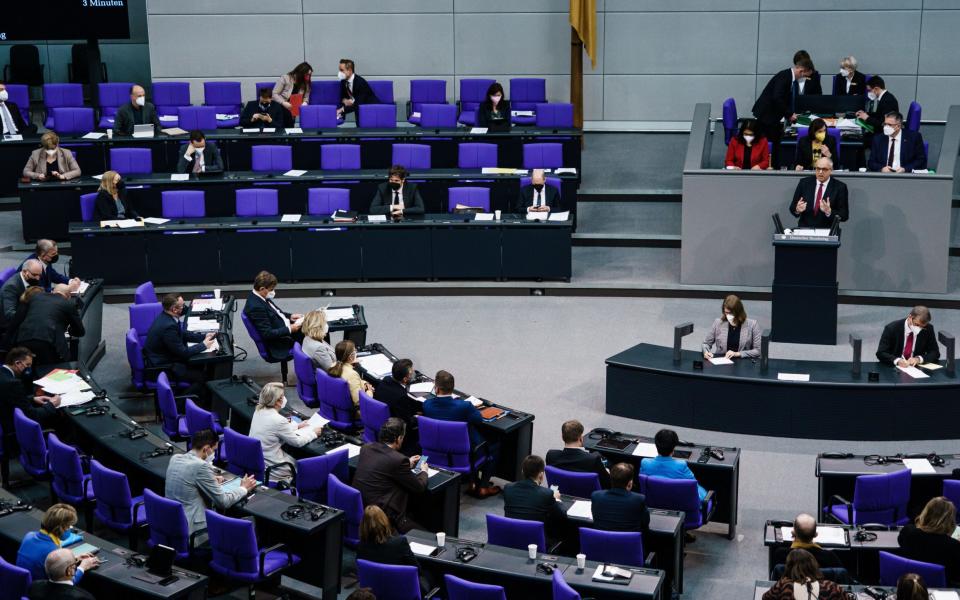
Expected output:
{"points": [[537, 197], [814, 145], [898, 150], [910, 342], [818, 198], [396, 198], [733, 335], [748, 149], [50, 162], [296, 81]]}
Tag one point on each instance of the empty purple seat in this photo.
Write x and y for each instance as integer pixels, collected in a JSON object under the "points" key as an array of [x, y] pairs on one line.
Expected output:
{"points": [[425, 91], [145, 293], [561, 589], [183, 204], [556, 115], [373, 414], [87, 203], [272, 158], [472, 93], [318, 116], [72, 120], [131, 161], [730, 127], [438, 115], [515, 533], [258, 202], [324, 201], [382, 116], [325, 92], [621, 547], [893, 566], [237, 556], [383, 90], [20, 95], [396, 582], [226, 97], [411, 156], [469, 196], [197, 117], [340, 157], [15, 581], [461, 589], [61, 95], [342, 496], [543, 156], [912, 121], [110, 97], [476, 155], [525, 94], [876, 499], [169, 97], [313, 472]]}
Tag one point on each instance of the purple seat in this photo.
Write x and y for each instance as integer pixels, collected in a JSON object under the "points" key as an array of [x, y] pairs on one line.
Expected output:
{"points": [[621, 547], [70, 120], [411, 156], [116, 508], [556, 115], [951, 490], [513, 533], [525, 94], [14, 581], [425, 91], [312, 474], [20, 95], [438, 116], [336, 405], [553, 182], [679, 494], [730, 126], [263, 84], [245, 456], [303, 367], [833, 132], [87, 203], [183, 204], [238, 556], [168, 524], [561, 589], [258, 341], [347, 499], [373, 414], [468, 196], [138, 371], [169, 97], [145, 293], [257, 202], [131, 161], [33, 447], [7, 274], [383, 90], [543, 156], [876, 499], [571, 483], [110, 97], [226, 97], [272, 158], [383, 116], [324, 201], [447, 443], [319, 116], [197, 117], [199, 419], [142, 317], [171, 421], [461, 589], [893, 566], [476, 155], [70, 483], [472, 93], [325, 92], [396, 582], [913, 117], [62, 95], [340, 157]]}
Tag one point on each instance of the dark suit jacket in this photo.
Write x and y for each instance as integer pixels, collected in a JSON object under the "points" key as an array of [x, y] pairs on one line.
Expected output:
{"points": [[807, 189], [392, 393], [448, 408], [892, 340], [127, 117], [805, 150], [858, 85], [273, 331], [48, 317], [105, 208], [888, 103], [44, 589], [935, 548], [580, 461], [10, 294], [16, 393], [362, 93], [912, 155], [212, 161], [775, 101], [395, 551], [274, 109], [384, 477], [23, 128], [619, 510], [526, 500], [412, 202], [166, 342], [484, 118], [825, 558], [50, 276], [525, 198]]}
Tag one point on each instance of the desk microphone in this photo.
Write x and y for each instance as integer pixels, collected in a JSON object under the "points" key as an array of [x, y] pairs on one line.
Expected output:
{"points": [[132, 432]]}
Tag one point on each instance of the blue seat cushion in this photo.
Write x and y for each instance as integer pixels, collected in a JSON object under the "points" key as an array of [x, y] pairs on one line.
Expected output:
{"points": [[275, 561]]}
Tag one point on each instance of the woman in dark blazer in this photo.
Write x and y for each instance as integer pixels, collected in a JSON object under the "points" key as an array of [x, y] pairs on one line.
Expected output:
{"points": [[494, 111], [930, 539], [111, 202], [850, 81], [815, 145], [748, 149], [379, 545], [734, 335]]}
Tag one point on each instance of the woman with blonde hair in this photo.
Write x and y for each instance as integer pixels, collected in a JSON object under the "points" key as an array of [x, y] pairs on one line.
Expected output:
{"points": [[111, 202], [314, 329], [54, 528], [274, 430], [929, 539], [346, 354], [733, 335], [50, 162]]}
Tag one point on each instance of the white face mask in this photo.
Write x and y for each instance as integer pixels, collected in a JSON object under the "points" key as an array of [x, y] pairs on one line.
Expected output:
{"points": [[887, 130], [748, 138], [915, 329], [731, 318], [844, 72], [209, 458], [871, 96], [341, 75], [141, 100], [271, 294], [4, 96], [51, 152]]}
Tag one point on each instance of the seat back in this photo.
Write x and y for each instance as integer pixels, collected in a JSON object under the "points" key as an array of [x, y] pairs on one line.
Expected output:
{"points": [[14, 581], [447, 443], [411, 156], [312, 474], [621, 547], [554, 114], [66, 470], [261, 85], [571, 483], [180, 204], [7, 274], [145, 293], [377, 116], [336, 405], [169, 96], [913, 117], [111, 96], [515, 533], [87, 204], [131, 161], [951, 490], [170, 418], [527, 92], [58, 95], [561, 589], [257, 202], [383, 90], [340, 157], [543, 155], [20, 95], [438, 115], [476, 155], [244, 454], [197, 117], [882, 498], [427, 91], [255, 336], [306, 380], [674, 494], [347, 499], [114, 502], [25, 66], [373, 414], [197, 418], [272, 158], [318, 116], [397, 582], [468, 196], [553, 182], [135, 359], [33, 447], [69, 120], [325, 92], [324, 201], [461, 589], [729, 119], [168, 523], [233, 543], [472, 93], [222, 94], [893, 566], [142, 317]]}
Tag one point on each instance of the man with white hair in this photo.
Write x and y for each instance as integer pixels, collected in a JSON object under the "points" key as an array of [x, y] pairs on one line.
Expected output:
{"points": [[818, 199], [61, 565], [537, 196]]}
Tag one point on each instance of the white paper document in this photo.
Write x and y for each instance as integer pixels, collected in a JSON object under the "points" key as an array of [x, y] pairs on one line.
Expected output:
{"points": [[607, 572], [944, 595], [200, 304], [293, 130], [476, 402], [913, 372], [919, 465], [424, 387], [179, 176], [122, 223], [251, 130], [93, 135], [421, 549], [269, 129], [76, 398], [814, 232], [559, 216], [352, 450], [521, 113], [156, 220], [562, 170], [376, 218], [143, 134], [14, 138], [793, 376], [720, 360], [198, 324], [339, 314], [377, 365], [67, 386], [168, 118], [317, 420], [537, 216], [930, 366], [645, 449], [226, 117], [483, 217], [82, 289], [581, 509], [290, 219], [478, 130], [294, 173], [825, 535], [213, 347], [415, 115]]}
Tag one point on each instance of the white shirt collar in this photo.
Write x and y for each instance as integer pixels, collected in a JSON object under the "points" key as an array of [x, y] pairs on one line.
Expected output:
{"points": [[825, 183], [68, 581], [350, 79]]}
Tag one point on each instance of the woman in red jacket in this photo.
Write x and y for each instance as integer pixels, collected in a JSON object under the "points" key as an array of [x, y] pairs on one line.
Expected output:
{"points": [[748, 149]]}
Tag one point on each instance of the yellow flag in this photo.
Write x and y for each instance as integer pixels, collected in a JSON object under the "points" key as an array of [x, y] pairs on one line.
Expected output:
{"points": [[583, 18]]}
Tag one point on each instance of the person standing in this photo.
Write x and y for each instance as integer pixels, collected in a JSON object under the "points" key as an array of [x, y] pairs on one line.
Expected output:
{"points": [[818, 198], [290, 84], [354, 89], [777, 101]]}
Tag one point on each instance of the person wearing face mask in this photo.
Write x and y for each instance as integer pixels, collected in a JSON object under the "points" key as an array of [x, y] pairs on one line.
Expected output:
{"points": [[849, 81], [397, 198], [819, 198], [48, 253], [292, 85], [191, 479], [111, 202], [354, 90], [278, 330], [748, 149], [529, 499], [274, 430], [898, 150], [166, 345], [909, 342], [136, 112], [50, 162], [11, 119], [48, 320], [199, 156], [814, 145], [30, 273], [392, 391], [777, 101], [537, 196], [263, 112], [732, 335], [494, 111], [16, 391], [879, 103], [344, 368]]}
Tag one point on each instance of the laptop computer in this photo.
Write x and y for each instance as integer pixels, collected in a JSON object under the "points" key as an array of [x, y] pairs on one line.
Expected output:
{"points": [[143, 131]]}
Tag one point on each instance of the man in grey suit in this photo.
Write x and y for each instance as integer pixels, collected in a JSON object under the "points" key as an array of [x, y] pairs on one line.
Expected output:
{"points": [[136, 112], [190, 479]]}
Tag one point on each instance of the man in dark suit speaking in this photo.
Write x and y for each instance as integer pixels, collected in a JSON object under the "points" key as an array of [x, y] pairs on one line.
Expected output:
{"points": [[778, 99], [574, 457], [910, 342], [819, 198]]}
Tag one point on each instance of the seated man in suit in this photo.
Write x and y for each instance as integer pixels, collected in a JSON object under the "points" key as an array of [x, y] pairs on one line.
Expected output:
{"points": [[620, 508], [263, 112], [48, 254], [819, 197], [397, 198], [804, 533], [898, 150], [278, 330], [879, 103], [61, 568], [354, 90], [530, 500], [910, 342], [198, 156], [16, 391], [537, 197], [166, 345], [392, 391], [446, 407], [136, 112], [49, 317], [11, 121], [574, 457], [31, 272], [777, 101]]}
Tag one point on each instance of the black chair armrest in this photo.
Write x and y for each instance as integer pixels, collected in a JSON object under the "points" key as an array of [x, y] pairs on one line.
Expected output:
{"points": [[839, 500], [648, 561], [293, 471], [431, 593], [409, 108], [86, 488], [134, 515], [275, 547], [192, 543], [705, 509], [554, 548]]}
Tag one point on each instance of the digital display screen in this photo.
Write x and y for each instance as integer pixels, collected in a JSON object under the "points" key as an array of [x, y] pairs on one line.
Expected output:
{"points": [[65, 20]]}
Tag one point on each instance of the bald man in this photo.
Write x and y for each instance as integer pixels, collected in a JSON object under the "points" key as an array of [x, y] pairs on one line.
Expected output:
{"points": [[31, 271], [48, 318], [60, 566], [136, 112], [537, 196], [804, 534]]}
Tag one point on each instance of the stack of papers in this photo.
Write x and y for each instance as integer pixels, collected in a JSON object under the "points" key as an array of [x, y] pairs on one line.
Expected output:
{"points": [[352, 450], [122, 223], [198, 324], [562, 170], [199, 304], [317, 420], [168, 118], [226, 117], [538, 216], [581, 509], [290, 218], [521, 113], [559, 216], [82, 289], [156, 220], [944, 595], [913, 372], [478, 130], [213, 348], [61, 381], [825, 535], [497, 171], [720, 360], [376, 218], [424, 387], [339, 314], [476, 402], [421, 549], [174, 130], [377, 365], [611, 573], [93, 135], [179, 176], [793, 376], [76, 398], [646, 450], [293, 172], [293, 130], [919, 465], [483, 217], [13, 138]]}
